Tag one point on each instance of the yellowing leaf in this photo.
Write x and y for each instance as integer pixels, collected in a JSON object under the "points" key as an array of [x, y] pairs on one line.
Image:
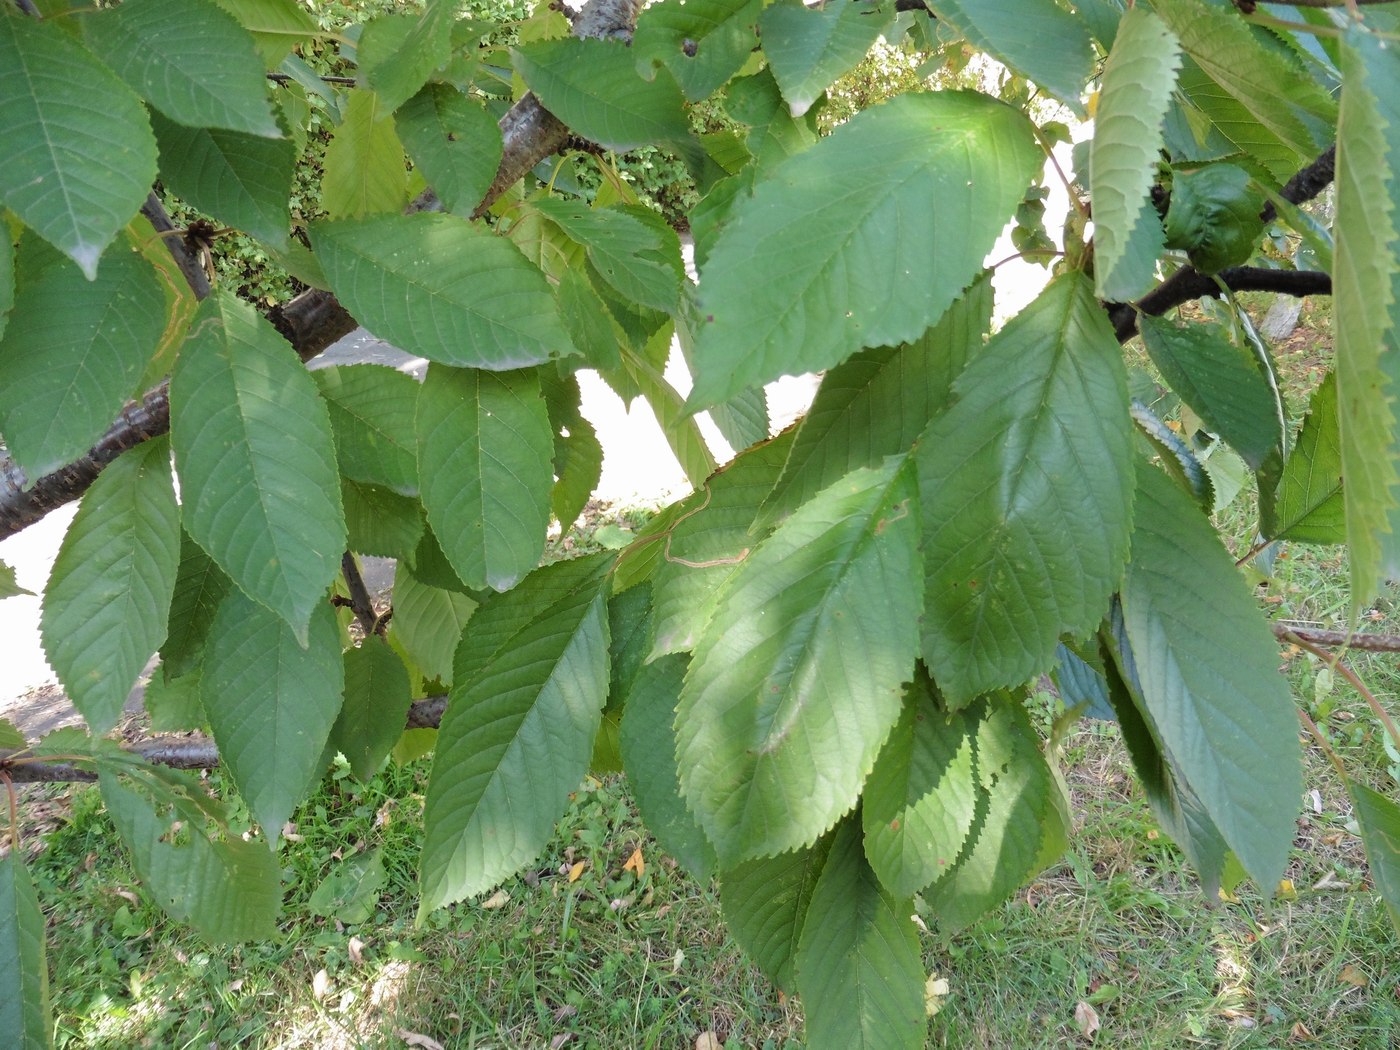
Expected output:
{"points": [[636, 863], [577, 870]]}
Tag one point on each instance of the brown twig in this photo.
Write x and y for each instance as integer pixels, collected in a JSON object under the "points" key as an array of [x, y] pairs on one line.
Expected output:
{"points": [[184, 752], [1335, 660], [360, 600]]}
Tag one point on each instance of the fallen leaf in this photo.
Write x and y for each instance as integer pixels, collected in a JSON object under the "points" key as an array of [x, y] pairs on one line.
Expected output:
{"points": [[708, 1041], [1330, 882], [677, 960], [636, 863], [320, 984], [1087, 1018], [1300, 1033], [560, 1039], [1286, 890], [496, 900], [356, 948], [564, 1012], [935, 991], [1352, 976], [423, 1042], [577, 870]]}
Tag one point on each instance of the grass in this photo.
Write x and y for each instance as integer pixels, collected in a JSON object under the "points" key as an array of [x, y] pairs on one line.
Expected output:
{"points": [[587, 950]]}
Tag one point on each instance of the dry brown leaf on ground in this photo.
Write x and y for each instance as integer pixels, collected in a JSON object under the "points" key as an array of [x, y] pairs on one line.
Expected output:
{"points": [[708, 1041], [1087, 1018], [418, 1039]]}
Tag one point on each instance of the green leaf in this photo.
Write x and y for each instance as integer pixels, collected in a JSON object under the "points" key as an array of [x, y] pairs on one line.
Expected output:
{"points": [[1176, 806], [859, 971], [271, 520], [73, 351], [589, 323], [593, 86], [379, 521], [1309, 507], [364, 169], [1020, 825], [921, 799], [277, 25], [271, 700], [428, 621], [531, 677], [1214, 216], [1266, 80], [1175, 456], [1026, 487], [808, 48], [174, 704], [372, 408], [438, 286], [9, 586], [765, 906], [484, 453], [107, 599], [709, 542], [24, 980], [200, 586], [377, 699], [578, 455], [721, 32], [796, 681], [397, 53], [1137, 86], [227, 888], [789, 285], [350, 893], [642, 264], [648, 743], [1216, 125], [878, 402], [162, 49], [1038, 39], [1219, 381], [241, 180], [454, 141], [11, 737], [681, 431], [1209, 675], [1367, 310], [7, 277], [1379, 820], [79, 154]]}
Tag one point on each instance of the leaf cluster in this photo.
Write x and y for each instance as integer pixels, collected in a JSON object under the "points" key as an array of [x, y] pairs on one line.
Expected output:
{"points": [[814, 668]]}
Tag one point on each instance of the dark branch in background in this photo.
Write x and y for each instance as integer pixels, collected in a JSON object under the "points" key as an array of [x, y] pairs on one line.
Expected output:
{"points": [[199, 752], [1189, 283], [313, 320], [177, 752], [286, 78], [359, 601], [194, 273]]}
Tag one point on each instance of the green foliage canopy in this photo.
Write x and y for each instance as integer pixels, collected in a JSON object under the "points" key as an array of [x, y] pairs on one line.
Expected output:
{"points": [[814, 668]]}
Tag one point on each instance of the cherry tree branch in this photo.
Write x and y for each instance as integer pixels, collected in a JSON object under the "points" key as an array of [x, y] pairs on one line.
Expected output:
{"points": [[199, 752], [178, 752], [1188, 283]]}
